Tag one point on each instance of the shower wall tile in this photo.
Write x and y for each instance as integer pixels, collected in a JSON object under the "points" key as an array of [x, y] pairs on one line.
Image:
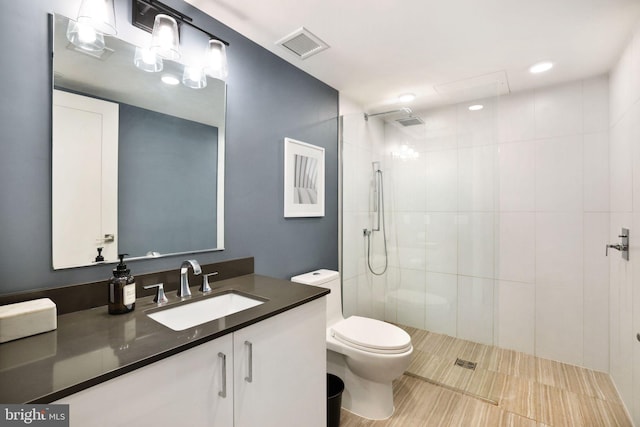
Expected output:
{"points": [[371, 295], [476, 178], [596, 172], [595, 97], [621, 165], [475, 309], [516, 316], [635, 395], [559, 246], [621, 84], [411, 240], [408, 180], [440, 129], [516, 169], [476, 244], [477, 128], [442, 181], [516, 118], [519, 195], [353, 255], [559, 321], [442, 303], [441, 242], [392, 281], [356, 184], [349, 297], [634, 137], [559, 186], [634, 51], [621, 274], [411, 298], [559, 287], [365, 296], [516, 247], [596, 291], [558, 110]]}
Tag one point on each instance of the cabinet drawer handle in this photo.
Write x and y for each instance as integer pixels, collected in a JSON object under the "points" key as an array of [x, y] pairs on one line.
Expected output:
{"points": [[249, 378], [223, 392]]}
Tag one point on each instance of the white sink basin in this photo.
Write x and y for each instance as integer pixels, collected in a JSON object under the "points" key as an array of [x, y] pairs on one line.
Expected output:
{"points": [[195, 313]]}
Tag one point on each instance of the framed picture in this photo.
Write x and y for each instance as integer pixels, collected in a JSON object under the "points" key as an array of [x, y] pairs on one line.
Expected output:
{"points": [[303, 179]]}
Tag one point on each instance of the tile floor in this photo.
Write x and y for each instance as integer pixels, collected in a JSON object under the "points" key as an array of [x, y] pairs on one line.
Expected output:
{"points": [[507, 388]]}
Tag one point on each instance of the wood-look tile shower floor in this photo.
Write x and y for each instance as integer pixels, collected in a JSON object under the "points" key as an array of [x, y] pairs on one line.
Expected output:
{"points": [[507, 388]]}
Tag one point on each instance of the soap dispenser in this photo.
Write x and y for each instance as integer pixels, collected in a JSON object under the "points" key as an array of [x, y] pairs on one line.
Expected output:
{"points": [[122, 289]]}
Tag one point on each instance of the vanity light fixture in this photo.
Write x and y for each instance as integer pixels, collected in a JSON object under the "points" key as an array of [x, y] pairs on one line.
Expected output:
{"points": [[165, 39], [216, 60], [476, 107], [147, 60], [164, 24], [194, 77], [96, 18]]}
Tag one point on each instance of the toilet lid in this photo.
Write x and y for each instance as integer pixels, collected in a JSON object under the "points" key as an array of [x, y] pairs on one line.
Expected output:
{"points": [[371, 334]]}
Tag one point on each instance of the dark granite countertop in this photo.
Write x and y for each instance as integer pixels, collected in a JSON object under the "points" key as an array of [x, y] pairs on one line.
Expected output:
{"points": [[91, 346]]}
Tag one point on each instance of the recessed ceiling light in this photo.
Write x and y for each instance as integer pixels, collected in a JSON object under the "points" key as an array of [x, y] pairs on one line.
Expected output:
{"points": [[406, 97], [541, 67], [476, 107], [170, 80]]}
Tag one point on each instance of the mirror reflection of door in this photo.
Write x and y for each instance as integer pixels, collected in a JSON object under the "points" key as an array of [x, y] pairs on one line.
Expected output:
{"points": [[85, 179]]}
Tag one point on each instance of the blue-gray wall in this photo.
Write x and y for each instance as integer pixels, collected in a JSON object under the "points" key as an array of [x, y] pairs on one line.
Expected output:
{"points": [[268, 99], [167, 177]]}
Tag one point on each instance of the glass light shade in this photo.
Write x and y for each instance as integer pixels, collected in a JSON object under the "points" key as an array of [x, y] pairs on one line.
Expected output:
{"points": [[165, 40], [147, 60], [216, 57], [84, 36], [100, 14], [194, 77]]}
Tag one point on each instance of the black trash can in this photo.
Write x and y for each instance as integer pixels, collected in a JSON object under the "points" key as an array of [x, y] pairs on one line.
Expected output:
{"points": [[335, 387]]}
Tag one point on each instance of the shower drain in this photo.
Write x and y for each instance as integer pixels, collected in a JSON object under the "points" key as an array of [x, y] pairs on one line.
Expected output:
{"points": [[466, 364]]}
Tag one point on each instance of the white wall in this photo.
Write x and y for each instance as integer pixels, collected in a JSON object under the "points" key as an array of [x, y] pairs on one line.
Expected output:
{"points": [[625, 212]]}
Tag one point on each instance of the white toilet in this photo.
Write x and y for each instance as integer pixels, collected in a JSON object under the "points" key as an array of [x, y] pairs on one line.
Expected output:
{"points": [[367, 354]]}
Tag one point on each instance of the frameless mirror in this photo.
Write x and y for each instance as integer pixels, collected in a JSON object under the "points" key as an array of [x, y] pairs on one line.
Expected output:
{"points": [[137, 164]]}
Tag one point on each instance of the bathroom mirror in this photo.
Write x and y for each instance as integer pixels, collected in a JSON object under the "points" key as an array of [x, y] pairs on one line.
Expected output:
{"points": [[137, 164]]}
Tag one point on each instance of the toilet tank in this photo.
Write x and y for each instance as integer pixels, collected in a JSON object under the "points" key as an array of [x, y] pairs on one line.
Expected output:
{"points": [[328, 279]]}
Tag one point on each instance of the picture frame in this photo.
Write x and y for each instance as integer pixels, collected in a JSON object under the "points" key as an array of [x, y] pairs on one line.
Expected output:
{"points": [[303, 179]]}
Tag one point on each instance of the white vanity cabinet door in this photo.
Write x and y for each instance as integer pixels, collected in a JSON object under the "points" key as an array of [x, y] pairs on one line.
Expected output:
{"points": [[181, 390], [285, 384]]}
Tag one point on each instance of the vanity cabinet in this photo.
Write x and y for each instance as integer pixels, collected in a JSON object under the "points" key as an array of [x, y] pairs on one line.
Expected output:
{"points": [[280, 370], [275, 376], [181, 390]]}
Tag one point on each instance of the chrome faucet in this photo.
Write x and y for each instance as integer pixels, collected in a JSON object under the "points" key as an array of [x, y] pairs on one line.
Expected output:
{"points": [[183, 290]]}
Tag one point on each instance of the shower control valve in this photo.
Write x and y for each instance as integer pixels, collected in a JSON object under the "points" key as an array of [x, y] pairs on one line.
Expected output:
{"points": [[623, 246]]}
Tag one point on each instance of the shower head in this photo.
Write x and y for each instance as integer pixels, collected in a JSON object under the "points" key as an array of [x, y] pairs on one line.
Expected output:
{"points": [[410, 121], [405, 110]]}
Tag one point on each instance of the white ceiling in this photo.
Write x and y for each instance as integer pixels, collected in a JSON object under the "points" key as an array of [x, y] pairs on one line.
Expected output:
{"points": [[380, 49]]}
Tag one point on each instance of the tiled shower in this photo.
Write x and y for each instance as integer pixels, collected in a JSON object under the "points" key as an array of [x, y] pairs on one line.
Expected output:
{"points": [[497, 221]]}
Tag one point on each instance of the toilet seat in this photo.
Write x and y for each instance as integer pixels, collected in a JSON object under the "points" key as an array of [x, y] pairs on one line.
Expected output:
{"points": [[371, 335]]}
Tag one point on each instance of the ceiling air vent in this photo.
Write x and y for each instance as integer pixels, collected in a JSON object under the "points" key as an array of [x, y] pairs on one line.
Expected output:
{"points": [[303, 43]]}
